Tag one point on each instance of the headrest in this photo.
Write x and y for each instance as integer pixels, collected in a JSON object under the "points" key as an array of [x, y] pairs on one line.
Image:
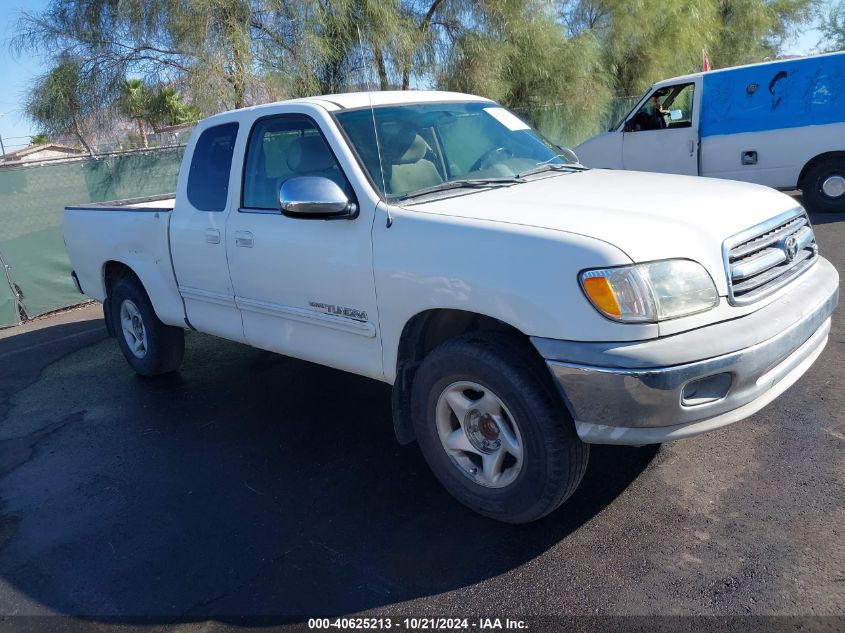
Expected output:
{"points": [[415, 151], [402, 145], [308, 154]]}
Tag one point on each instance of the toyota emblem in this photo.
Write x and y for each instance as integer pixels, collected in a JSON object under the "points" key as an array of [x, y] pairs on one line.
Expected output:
{"points": [[790, 246]]}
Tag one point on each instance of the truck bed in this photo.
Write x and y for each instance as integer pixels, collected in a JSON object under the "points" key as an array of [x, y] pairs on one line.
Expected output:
{"points": [[134, 233]]}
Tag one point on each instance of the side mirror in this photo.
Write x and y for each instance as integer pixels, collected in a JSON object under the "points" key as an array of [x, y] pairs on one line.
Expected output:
{"points": [[676, 115], [315, 198], [629, 126]]}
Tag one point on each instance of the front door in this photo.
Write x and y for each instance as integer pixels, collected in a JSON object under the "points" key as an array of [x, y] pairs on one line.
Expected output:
{"points": [[304, 287], [662, 135], [198, 235]]}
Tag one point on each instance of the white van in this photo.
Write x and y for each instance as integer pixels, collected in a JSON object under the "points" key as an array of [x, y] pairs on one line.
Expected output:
{"points": [[780, 124]]}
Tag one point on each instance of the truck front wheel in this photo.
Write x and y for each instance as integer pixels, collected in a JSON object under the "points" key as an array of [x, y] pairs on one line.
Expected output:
{"points": [[149, 346], [823, 186], [493, 429]]}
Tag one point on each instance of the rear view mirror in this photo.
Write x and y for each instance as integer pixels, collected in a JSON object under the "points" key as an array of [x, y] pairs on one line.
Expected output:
{"points": [[315, 198], [676, 115]]}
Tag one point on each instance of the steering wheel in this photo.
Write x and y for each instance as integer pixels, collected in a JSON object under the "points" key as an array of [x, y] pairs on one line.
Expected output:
{"points": [[486, 158]]}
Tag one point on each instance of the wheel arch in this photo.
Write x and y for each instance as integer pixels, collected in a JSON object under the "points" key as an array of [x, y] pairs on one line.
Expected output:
{"points": [[816, 159], [420, 335], [162, 292], [112, 272]]}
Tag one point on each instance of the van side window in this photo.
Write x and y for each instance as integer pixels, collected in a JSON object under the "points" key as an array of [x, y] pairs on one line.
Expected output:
{"points": [[666, 108], [281, 148], [208, 179]]}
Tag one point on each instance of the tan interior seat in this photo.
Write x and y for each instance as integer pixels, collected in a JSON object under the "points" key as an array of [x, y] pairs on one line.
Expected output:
{"points": [[411, 170], [311, 156]]}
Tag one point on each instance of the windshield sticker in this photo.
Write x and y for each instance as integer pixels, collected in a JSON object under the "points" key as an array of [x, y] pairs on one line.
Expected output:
{"points": [[508, 119]]}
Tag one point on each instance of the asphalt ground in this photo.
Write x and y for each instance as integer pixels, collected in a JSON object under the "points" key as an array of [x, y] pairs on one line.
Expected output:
{"points": [[250, 484]]}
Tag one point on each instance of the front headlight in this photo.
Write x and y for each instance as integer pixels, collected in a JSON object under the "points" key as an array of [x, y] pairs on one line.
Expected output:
{"points": [[650, 292]]}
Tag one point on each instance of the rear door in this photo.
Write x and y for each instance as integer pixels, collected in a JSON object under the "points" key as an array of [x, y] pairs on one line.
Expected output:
{"points": [[662, 135], [304, 287], [198, 233]]}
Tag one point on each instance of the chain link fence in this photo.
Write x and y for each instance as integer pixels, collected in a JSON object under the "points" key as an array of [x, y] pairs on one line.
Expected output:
{"points": [[36, 272]]}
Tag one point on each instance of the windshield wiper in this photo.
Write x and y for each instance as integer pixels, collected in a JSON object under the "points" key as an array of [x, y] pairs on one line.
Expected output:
{"points": [[464, 183], [552, 167]]}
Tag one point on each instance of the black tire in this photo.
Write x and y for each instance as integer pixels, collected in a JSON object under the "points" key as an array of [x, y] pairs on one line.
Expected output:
{"points": [[812, 185], [554, 460], [165, 345]]}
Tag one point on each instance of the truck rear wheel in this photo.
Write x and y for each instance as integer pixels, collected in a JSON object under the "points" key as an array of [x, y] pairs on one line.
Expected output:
{"points": [[149, 346], [493, 429], [823, 185]]}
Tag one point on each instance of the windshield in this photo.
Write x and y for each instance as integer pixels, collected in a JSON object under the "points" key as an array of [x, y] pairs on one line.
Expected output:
{"points": [[430, 144]]}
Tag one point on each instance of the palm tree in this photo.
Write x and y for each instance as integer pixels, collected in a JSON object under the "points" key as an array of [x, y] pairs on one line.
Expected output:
{"points": [[59, 100], [134, 103], [166, 107]]}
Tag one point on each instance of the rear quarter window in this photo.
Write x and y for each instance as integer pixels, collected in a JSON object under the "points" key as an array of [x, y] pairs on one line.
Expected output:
{"points": [[211, 163]]}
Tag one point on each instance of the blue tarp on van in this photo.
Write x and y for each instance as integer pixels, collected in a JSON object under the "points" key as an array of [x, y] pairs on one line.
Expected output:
{"points": [[787, 94]]}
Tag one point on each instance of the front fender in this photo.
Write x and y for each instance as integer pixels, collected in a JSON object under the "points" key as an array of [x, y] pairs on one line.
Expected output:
{"points": [[524, 276], [603, 151]]}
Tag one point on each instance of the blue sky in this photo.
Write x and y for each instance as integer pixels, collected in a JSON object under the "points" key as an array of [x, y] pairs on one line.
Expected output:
{"points": [[18, 72]]}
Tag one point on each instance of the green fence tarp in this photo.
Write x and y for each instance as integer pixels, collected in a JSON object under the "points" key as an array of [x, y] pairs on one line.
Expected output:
{"points": [[8, 306], [32, 199]]}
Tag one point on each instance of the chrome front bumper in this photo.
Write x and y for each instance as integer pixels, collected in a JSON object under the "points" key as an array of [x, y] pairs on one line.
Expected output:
{"points": [[621, 401]]}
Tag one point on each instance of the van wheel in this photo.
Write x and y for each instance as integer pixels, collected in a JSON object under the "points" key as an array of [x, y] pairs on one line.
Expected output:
{"points": [[149, 346], [494, 430], [823, 185]]}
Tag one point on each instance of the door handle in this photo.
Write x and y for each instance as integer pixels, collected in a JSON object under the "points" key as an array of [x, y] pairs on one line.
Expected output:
{"points": [[243, 239], [212, 236], [691, 147]]}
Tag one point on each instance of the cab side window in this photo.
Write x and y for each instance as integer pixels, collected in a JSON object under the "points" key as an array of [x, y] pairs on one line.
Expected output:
{"points": [[208, 179], [666, 108], [281, 148]]}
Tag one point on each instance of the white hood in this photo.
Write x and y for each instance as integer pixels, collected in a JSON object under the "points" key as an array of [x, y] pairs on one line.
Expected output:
{"points": [[648, 216]]}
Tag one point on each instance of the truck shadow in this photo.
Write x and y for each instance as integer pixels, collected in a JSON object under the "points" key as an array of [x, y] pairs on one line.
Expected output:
{"points": [[817, 218], [246, 486]]}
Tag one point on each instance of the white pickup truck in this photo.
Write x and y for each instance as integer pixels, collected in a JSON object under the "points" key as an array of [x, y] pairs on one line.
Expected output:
{"points": [[522, 306]]}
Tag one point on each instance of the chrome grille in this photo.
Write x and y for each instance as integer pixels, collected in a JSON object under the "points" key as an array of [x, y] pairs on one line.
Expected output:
{"points": [[765, 257]]}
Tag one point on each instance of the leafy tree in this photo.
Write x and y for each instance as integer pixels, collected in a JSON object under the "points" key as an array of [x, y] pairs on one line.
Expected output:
{"points": [[322, 46], [215, 38], [522, 58], [202, 42], [39, 139], [59, 100], [565, 58], [649, 40], [749, 31], [833, 28]]}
